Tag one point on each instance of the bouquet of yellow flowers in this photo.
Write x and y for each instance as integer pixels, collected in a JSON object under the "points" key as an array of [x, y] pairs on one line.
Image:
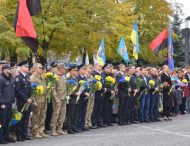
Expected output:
{"points": [[109, 81], [151, 83], [94, 86], [15, 118], [98, 77], [50, 81]]}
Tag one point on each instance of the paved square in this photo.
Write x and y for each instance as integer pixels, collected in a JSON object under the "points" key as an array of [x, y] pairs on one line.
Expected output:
{"points": [[174, 133]]}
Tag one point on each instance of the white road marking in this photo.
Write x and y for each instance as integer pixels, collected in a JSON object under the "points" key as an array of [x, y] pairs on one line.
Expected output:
{"points": [[164, 131]]}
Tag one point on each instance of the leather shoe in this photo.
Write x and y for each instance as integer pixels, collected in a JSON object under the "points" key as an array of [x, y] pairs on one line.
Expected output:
{"points": [[110, 124], [70, 132], [120, 124], [85, 129], [9, 140], [76, 130], [28, 138], [147, 120], [20, 139], [94, 127], [3, 141]]}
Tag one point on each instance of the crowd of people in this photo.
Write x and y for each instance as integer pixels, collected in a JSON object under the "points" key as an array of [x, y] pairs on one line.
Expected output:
{"points": [[36, 103]]}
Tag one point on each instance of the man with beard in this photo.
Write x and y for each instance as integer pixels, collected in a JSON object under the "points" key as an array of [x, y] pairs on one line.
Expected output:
{"points": [[7, 97]]}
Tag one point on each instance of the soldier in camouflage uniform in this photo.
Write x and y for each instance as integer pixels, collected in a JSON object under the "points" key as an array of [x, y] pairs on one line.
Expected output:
{"points": [[90, 103], [59, 103], [40, 107]]}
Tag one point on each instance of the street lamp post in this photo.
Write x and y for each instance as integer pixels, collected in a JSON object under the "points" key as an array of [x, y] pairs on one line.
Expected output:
{"points": [[186, 34]]}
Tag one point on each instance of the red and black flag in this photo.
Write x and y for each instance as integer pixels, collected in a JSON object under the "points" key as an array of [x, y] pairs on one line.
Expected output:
{"points": [[23, 24], [160, 42]]}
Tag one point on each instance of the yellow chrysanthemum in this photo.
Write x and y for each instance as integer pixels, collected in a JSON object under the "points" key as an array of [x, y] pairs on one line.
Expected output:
{"points": [[39, 90], [48, 74], [98, 85], [73, 88], [56, 77], [81, 82], [98, 77], [110, 79], [127, 79], [184, 81], [18, 116], [151, 83]]}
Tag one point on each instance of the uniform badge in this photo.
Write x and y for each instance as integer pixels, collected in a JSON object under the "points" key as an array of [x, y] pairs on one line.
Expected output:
{"points": [[16, 79]]}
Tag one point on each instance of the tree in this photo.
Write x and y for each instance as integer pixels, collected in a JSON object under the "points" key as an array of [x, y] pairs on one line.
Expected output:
{"points": [[179, 49], [153, 17], [75, 27]]}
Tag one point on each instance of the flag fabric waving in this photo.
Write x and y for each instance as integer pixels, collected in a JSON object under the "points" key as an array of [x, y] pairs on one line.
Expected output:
{"points": [[101, 57], [122, 50], [23, 24], [160, 42], [170, 50], [135, 40]]}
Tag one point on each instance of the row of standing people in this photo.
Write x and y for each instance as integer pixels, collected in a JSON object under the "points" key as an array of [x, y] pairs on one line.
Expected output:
{"points": [[137, 91]]}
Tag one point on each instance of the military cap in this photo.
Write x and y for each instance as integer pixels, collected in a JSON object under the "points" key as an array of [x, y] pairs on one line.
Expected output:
{"points": [[6, 66], [74, 67], [23, 63], [54, 64], [36, 65]]}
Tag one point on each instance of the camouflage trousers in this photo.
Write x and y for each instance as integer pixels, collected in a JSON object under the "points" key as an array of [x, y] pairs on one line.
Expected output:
{"points": [[58, 116], [38, 117], [89, 110]]}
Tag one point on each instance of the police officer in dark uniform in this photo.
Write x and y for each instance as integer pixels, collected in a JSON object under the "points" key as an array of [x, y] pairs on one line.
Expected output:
{"points": [[97, 120], [83, 100], [72, 107], [23, 93], [7, 98], [108, 99]]}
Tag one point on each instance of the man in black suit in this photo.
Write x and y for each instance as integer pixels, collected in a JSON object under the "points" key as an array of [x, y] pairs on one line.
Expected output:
{"points": [[145, 97], [133, 86], [122, 94], [167, 96], [99, 98], [23, 93], [108, 101], [83, 100]]}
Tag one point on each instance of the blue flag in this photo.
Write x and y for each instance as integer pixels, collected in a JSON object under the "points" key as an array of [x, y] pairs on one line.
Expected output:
{"points": [[101, 57], [170, 50], [122, 50]]}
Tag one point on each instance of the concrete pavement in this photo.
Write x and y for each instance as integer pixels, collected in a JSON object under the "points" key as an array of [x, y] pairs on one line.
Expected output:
{"points": [[174, 133]]}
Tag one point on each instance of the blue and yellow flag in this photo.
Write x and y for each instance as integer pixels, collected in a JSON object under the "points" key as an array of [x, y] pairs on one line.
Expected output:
{"points": [[101, 57], [170, 50], [135, 40], [122, 50]]}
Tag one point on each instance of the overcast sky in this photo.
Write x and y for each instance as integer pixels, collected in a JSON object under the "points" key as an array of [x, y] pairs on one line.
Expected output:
{"points": [[186, 9]]}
